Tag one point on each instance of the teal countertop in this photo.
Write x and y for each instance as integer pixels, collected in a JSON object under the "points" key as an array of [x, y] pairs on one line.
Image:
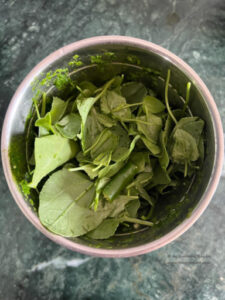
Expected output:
{"points": [[33, 267]]}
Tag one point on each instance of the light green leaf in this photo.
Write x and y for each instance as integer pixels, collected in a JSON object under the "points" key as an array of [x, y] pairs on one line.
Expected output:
{"points": [[58, 109], [69, 126], [45, 125], [64, 204], [51, 152]]}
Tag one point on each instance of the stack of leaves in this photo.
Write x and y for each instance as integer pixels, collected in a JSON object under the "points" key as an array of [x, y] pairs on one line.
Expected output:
{"points": [[104, 156]]}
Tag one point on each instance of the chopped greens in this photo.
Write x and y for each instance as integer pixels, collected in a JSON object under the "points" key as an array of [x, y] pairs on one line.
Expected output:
{"points": [[104, 154]]}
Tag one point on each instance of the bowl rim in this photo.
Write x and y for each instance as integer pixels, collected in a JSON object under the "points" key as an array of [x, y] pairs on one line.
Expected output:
{"points": [[217, 127]]}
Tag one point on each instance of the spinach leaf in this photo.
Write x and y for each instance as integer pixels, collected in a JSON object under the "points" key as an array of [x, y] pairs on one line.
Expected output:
{"points": [[124, 140], [123, 153], [161, 176], [58, 109], [91, 130], [111, 101], [152, 147], [105, 120], [184, 148], [152, 105], [105, 230], [51, 152], [45, 125], [133, 92], [193, 125], [105, 142], [152, 128], [64, 206], [132, 208], [69, 126]]}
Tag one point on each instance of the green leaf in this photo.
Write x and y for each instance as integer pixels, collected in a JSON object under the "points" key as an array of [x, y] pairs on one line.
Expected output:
{"points": [[133, 92], [88, 88], [192, 125], [184, 148], [141, 180], [64, 204], [132, 208], [51, 152], [69, 126], [152, 129], [152, 105], [105, 142], [58, 109], [84, 106], [91, 131], [105, 120], [45, 125], [152, 147], [105, 230], [124, 140], [140, 159], [161, 176], [123, 153], [111, 101]]}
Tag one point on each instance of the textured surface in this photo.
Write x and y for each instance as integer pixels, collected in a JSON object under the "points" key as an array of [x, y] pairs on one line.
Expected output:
{"points": [[32, 267]]}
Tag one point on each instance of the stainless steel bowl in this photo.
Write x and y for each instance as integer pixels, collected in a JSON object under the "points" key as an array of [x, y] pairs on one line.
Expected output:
{"points": [[201, 103]]}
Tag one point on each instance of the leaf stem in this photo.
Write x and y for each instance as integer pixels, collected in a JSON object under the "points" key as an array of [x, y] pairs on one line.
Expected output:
{"points": [[187, 96], [43, 106], [166, 98], [185, 168], [136, 221], [36, 108], [126, 106], [137, 120]]}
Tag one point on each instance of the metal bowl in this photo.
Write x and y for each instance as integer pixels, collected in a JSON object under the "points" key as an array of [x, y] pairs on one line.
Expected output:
{"points": [[147, 55]]}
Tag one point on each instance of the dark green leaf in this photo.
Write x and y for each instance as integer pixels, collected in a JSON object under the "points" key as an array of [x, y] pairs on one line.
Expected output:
{"points": [[152, 105], [133, 92]]}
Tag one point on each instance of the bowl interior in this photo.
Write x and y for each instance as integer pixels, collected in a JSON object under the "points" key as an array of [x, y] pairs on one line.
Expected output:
{"points": [[134, 63]]}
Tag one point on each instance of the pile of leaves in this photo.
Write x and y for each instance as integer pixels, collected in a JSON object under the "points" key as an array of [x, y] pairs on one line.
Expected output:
{"points": [[103, 157]]}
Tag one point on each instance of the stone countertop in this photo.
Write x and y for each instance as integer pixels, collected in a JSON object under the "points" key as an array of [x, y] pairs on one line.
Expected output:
{"points": [[33, 267]]}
